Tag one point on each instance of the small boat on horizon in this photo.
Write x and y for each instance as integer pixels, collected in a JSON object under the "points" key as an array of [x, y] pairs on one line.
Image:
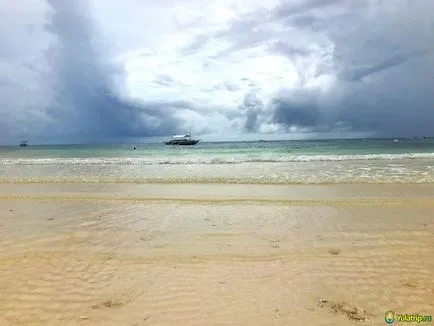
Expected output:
{"points": [[181, 140], [24, 143]]}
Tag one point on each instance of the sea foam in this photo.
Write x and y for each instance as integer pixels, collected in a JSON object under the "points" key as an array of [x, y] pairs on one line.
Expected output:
{"points": [[212, 159]]}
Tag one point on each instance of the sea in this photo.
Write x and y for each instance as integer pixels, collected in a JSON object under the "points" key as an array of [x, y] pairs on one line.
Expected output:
{"points": [[253, 162]]}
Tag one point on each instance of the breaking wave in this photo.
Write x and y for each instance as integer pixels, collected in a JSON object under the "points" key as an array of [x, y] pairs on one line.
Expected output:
{"points": [[179, 160]]}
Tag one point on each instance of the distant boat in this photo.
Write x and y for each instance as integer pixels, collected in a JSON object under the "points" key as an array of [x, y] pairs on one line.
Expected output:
{"points": [[24, 143], [396, 140], [181, 140]]}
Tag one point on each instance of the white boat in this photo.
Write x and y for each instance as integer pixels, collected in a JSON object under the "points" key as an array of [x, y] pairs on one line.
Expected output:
{"points": [[181, 140]]}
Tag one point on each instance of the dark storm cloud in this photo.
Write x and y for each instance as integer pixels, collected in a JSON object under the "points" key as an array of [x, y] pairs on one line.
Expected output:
{"points": [[88, 104], [382, 59], [289, 112], [394, 60], [398, 103], [252, 107], [251, 123], [304, 20], [289, 8]]}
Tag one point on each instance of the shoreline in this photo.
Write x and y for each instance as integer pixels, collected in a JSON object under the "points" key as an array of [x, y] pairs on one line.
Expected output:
{"points": [[409, 171], [222, 181], [227, 191]]}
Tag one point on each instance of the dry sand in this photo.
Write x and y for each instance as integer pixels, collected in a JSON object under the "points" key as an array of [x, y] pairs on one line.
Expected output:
{"points": [[89, 254]]}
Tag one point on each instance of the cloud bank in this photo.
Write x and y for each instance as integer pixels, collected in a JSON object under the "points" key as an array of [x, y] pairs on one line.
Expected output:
{"points": [[80, 71]]}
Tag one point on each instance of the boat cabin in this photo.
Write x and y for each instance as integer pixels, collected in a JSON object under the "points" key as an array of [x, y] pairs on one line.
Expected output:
{"points": [[179, 137]]}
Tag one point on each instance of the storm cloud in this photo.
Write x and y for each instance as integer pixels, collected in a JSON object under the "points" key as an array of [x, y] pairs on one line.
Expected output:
{"points": [[79, 71], [87, 96]]}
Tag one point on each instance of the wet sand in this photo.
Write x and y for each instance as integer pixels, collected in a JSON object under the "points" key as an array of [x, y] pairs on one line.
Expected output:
{"points": [[120, 254]]}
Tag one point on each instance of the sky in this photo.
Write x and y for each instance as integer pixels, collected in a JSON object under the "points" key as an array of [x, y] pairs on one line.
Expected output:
{"points": [[105, 71]]}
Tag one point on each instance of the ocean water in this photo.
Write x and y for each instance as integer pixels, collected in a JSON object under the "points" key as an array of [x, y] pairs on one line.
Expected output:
{"points": [[267, 162]]}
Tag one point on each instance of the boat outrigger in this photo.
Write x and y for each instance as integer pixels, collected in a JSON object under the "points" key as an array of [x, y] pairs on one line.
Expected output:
{"points": [[181, 140]]}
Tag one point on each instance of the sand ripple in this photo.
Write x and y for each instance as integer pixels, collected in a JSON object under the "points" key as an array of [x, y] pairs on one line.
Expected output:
{"points": [[172, 263]]}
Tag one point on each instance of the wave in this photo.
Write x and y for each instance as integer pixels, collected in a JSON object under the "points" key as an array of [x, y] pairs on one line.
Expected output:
{"points": [[179, 160], [204, 180]]}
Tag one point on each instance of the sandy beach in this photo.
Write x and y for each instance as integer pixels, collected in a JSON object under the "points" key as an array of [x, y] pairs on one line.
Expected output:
{"points": [[124, 254], [216, 163]]}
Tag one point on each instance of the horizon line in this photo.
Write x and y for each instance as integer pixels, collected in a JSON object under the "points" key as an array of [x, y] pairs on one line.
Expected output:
{"points": [[225, 141]]}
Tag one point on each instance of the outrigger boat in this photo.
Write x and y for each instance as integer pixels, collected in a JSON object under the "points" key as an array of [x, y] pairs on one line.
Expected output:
{"points": [[181, 140]]}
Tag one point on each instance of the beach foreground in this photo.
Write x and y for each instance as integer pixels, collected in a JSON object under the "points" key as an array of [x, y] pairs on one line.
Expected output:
{"points": [[143, 254]]}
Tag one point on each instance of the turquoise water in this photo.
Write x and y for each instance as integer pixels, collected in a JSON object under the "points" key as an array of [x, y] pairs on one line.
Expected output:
{"points": [[232, 150], [319, 161]]}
